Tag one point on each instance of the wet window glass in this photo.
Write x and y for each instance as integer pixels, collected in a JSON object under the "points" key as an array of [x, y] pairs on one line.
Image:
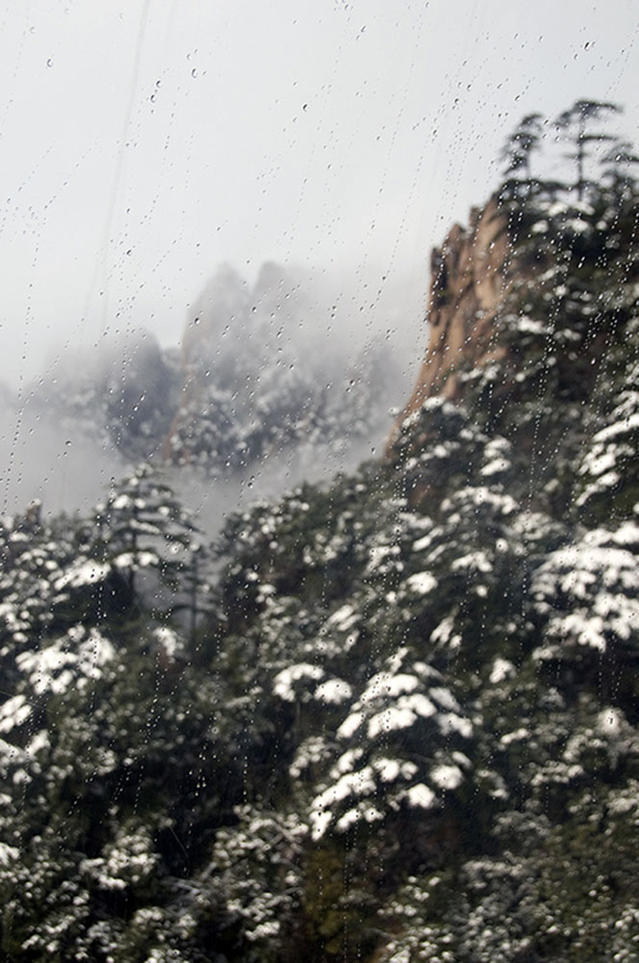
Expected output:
{"points": [[319, 367]]}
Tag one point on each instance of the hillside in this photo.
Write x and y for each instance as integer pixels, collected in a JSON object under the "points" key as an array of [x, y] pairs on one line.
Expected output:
{"points": [[392, 718]]}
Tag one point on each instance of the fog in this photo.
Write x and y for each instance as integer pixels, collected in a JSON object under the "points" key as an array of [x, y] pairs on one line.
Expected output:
{"points": [[144, 145], [41, 462], [92, 415], [72, 474]]}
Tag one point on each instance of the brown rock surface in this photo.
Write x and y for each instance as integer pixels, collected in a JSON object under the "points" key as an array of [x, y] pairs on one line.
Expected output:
{"points": [[469, 275]]}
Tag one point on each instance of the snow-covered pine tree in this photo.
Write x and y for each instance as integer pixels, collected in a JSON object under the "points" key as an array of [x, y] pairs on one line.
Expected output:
{"points": [[142, 525]]}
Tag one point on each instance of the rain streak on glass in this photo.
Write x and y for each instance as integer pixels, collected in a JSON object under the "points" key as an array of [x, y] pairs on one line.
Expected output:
{"points": [[319, 618]]}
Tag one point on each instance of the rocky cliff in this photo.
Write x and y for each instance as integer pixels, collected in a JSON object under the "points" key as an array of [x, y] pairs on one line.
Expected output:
{"points": [[469, 274]]}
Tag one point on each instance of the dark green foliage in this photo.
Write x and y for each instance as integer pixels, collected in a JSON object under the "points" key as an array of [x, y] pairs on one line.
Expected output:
{"points": [[521, 143], [575, 126]]}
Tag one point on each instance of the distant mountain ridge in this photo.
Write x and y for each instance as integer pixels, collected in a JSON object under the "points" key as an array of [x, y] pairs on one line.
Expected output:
{"points": [[244, 385]]}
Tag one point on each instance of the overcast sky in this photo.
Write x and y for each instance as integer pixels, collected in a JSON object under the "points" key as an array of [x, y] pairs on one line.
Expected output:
{"points": [[143, 142]]}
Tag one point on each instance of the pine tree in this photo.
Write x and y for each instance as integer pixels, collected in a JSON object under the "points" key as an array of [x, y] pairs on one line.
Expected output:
{"points": [[142, 525], [196, 585], [575, 125], [616, 169], [519, 146]]}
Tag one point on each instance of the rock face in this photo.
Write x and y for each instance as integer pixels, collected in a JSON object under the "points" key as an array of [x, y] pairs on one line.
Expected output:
{"points": [[469, 275]]}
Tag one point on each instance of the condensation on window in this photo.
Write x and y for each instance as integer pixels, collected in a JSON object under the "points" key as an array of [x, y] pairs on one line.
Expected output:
{"points": [[319, 618]]}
